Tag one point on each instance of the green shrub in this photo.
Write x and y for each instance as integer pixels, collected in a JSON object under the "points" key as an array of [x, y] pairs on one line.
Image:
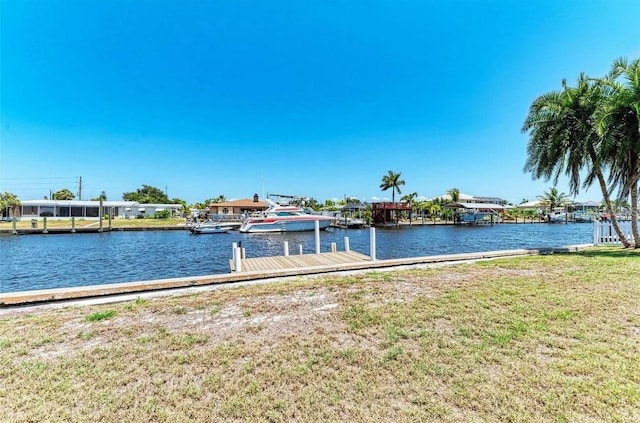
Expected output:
{"points": [[162, 214]]}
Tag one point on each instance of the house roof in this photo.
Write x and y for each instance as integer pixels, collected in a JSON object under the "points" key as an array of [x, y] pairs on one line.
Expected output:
{"points": [[530, 205], [491, 206], [246, 203]]}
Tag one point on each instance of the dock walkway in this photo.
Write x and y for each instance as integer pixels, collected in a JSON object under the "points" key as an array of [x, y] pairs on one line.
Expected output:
{"points": [[303, 261]]}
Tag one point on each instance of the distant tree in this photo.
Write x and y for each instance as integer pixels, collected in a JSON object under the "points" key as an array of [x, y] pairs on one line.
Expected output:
{"points": [[454, 193], [329, 204], [524, 200], [434, 210], [185, 208], [352, 200], [102, 196], [219, 199], [409, 199], [147, 195], [203, 204], [553, 198], [312, 203], [63, 194], [392, 180], [9, 202]]}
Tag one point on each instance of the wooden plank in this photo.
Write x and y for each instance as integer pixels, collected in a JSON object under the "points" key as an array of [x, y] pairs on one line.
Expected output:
{"points": [[266, 264]]}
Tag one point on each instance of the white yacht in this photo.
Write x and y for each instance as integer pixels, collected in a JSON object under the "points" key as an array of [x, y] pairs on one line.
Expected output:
{"points": [[284, 218]]}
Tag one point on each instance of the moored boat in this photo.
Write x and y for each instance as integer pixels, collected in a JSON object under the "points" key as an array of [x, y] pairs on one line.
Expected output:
{"points": [[557, 217], [284, 218], [209, 227], [581, 217]]}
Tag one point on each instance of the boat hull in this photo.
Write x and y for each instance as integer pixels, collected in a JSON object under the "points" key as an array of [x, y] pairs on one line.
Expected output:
{"points": [[276, 225], [197, 230]]}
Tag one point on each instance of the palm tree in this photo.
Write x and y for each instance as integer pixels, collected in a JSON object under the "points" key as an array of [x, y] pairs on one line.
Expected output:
{"points": [[619, 125], [454, 193], [392, 180], [563, 139], [434, 210], [409, 199], [553, 198]]}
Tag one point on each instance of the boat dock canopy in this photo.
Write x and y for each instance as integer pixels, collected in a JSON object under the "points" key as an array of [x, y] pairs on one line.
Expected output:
{"points": [[475, 206]]}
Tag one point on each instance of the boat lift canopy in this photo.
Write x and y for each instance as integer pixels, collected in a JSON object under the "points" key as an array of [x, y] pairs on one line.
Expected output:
{"points": [[476, 206]]}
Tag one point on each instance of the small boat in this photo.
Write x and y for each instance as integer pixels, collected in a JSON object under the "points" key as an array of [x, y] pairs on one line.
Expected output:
{"points": [[581, 217], [350, 223], [284, 218], [557, 217], [209, 227]]}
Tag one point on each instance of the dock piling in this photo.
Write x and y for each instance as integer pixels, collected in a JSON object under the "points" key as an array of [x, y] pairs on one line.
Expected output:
{"points": [[372, 243]]}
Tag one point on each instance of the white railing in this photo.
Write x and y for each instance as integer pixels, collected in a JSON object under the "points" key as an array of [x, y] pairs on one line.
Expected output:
{"points": [[603, 232]]}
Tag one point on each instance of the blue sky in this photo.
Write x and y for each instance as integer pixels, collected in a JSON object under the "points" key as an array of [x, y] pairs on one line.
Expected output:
{"points": [[315, 98]]}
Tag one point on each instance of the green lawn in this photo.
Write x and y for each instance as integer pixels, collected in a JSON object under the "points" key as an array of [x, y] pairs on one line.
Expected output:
{"points": [[538, 339]]}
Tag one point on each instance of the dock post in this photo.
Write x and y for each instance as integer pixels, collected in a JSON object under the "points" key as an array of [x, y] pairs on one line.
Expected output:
{"points": [[300, 249], [14, 231], [234, 246], [73, 225], [372, 243], [317, 225], [286, 248], [238, 264], [45, 231], [333, 247], [100, 214], [346, 244]]}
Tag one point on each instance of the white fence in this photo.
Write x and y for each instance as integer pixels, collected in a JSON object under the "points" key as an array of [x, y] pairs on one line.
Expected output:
{"points": [[603, 232]]}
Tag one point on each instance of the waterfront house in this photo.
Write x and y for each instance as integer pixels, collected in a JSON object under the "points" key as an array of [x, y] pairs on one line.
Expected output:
{"points": [[89, 209], [237, 208]]}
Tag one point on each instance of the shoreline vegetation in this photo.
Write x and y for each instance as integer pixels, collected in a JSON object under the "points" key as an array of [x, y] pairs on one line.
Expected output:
{"points": [[536, 338]]}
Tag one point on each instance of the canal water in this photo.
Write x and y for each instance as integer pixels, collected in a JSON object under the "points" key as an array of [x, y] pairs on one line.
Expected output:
{"points": [[29, 262]]}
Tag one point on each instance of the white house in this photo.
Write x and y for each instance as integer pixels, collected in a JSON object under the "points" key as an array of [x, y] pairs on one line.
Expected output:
{"points": [[63, 209]]}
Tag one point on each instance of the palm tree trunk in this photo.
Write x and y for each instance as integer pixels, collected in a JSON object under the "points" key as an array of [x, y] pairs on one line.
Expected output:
{"points": [[614, 221], [607, 199], [410, 212], [634, 214]]}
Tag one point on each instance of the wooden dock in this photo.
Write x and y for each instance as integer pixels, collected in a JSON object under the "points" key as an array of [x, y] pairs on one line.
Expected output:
{"points": [[301, 261]]}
